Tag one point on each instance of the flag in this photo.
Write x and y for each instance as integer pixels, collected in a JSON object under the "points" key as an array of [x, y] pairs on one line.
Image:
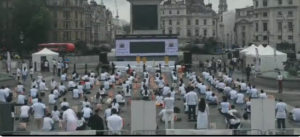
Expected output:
{"points": [[257, 60], [8, 61]]}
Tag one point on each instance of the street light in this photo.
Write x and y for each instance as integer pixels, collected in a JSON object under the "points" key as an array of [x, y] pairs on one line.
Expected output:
{"points": [[227, 40], [21, 37]]}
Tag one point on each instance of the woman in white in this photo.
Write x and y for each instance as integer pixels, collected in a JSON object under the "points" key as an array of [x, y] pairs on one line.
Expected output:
{"points": [[182, 90], [53, 83], [102, 92], [127, 94], [39, 78], [263, 95], [115, 105], [202, 116], [19, 74], [70, 119], [159, 99], [31, 71], [20, 88], [173, 93], [55, 114], [33, 83]]}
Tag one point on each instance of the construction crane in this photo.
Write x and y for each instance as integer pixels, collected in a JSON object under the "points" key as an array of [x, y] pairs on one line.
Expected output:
{"points": [[117, 17]]}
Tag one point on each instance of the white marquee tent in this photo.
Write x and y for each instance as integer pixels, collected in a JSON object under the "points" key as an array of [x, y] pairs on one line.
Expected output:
{"points": [[249, 48], [268, 60], [45, 53]]}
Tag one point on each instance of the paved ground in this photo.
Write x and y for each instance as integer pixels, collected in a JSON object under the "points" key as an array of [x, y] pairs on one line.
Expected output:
{"points": [[215, 119]]}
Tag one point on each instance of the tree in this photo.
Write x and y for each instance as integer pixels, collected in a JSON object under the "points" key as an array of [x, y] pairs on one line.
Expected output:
{"points": [[33, 19], [126, 28]]}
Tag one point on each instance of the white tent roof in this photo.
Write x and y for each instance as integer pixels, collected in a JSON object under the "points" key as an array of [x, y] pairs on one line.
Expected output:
{"points": [[45, 51], [249, 48], [270, 51]]}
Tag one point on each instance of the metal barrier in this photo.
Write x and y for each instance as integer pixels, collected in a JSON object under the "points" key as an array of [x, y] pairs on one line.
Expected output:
{"points": [[287, 131], [199, 132], [83, 132]]}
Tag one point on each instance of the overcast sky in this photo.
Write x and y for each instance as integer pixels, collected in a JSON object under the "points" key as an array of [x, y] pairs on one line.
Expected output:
{"points": [[124, 6]]}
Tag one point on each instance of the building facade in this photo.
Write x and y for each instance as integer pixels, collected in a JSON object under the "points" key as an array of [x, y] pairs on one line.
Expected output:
{"points": [[276, 21], [244, 26], [189, 19], [68, 20]]}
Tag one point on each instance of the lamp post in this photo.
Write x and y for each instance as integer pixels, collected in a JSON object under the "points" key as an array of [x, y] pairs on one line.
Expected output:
{"points": [[268, 37], [21, 40], [227, 41]]}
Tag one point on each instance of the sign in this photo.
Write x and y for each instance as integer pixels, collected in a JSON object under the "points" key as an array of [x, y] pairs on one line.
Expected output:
{"points": [[86, 132], [123, 47]]}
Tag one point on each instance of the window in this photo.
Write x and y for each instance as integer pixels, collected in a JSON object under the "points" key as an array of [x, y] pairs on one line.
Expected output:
{"points": [[290, 37], [256, 38], [290, 13], [205, 32], [55, 25], [170, 31], [279, 2], [54, 36], [76, 34], [265, 26], [265, 37], [66, 36], [188, 22], [243, 28], [290, 1], [76, 14], [204, 22], [76, 24], [189, 33], [81, 24], [66, 14], [66, 24], [265, 3], [214, 23], [279, 25], [256, 15], [178, 22], [178, 31], [214, 33], [170, 22], [256, 3], [265, 14], [279, 37], [170, 12], [290, 26], [279, 13], [178, 12], [196, 22], [196, 32], [256, 27]]}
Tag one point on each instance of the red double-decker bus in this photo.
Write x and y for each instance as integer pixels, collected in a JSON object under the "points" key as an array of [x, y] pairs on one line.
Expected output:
{"points": [[58, 47]]}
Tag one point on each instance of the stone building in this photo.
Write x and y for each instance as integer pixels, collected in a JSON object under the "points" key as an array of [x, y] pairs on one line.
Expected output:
{"points": [[244, 26]]}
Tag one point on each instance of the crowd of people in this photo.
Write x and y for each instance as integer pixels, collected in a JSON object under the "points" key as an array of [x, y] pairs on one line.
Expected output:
{"points": [[198, 91]]}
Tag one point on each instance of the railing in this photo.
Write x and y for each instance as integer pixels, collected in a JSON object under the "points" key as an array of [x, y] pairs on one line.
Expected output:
{"points": [[83, 132], [199, 132], [287, 131]]}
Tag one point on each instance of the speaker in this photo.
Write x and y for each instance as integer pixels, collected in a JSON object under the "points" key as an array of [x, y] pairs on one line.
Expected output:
{"points": [[187, 58], [6, 119], [103, 58]]}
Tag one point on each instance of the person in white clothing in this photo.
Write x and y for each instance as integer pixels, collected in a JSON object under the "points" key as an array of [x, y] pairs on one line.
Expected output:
{"points": [[254, 92], [64, 104], [48, 123], [53, 83], [21, 99], [24, 113], [240, 98], [224, 106], [281, 115], [55, 114], [119, 98], [39, 110], [263, 95], [114, 122], [115, 105], [279, 79], [182, 89], [70, 119], [202, 115], [169, 107], [20, 88], [191, 98], [232, 94], [166, 90], [295, 114], [159, 99], [51, 98], [34, 92], [81, 123], [145, 93], [19, 74], [76, 93], [87, 112]]}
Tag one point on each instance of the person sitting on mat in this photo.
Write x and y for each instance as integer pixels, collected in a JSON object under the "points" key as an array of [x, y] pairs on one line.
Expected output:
{"points": [[120, 99], [159, 99], [213, 100]]}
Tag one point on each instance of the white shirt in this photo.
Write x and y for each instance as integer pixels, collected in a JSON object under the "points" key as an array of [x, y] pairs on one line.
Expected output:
{"points": [[182, 90], [21, 99], [240, 98], [115, 105], [56, 93], [281, 110], [159, 99], [191, 98], [243, 86], [63, 77], [263, 96], [75, 93], [119, 98], [31, 71], [38, 109], [107, 112], [173, 93], [61, 88], [144, 93], [20, 88], [163, 114], [33, 92], [233, 94], [51, 99], [24, 72], [55, 115], [253, 92], [106, 85], [69, 115], [208, 94], [80, 122], [166, 90], [220, 85], [114, 123], [296, 114], [248, 104], [203, 89], [64, 104], [71, 84], [169, 103], [47, 124], [80, 88], [161, 83], [279, 77], [84, 104], [224, 107], [24, 111], [127, 94], [87, 112]]}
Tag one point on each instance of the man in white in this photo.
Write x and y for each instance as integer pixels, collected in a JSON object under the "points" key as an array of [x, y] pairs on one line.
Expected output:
{"points": [[21, 99], [33, 92], [114, 122], [69, 116], [220, 86], [254, 92], [120, 98], [279, 79], [169, 111], [240, 98], [233, 94], [48, 123], [166, 90], [2, 95], [295, 114], [51, 98], [24, 113], [203, 89], [87, 112], [280, 110], [243, 86], [191, 98], [39, 110]]}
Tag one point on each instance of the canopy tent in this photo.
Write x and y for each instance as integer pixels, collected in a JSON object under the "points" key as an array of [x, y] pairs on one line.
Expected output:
{"points": [[249, 48], [38, 58], [267, 59]]}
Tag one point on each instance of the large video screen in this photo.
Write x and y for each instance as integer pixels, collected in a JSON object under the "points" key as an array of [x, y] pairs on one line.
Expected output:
{"points": [[144, 17], [147, 47]]}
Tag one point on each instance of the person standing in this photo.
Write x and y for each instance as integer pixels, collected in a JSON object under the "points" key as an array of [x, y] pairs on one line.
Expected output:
{"points": [[70, 119], [31, 71], [279, 79], [191, 99], [115, 122], [54, 65], [39, 110], [202, 116], [96, 123], [24, 75], [113, 68], [169, 110], [248, 72], [46, 66], [59, 68], [280, 110]]}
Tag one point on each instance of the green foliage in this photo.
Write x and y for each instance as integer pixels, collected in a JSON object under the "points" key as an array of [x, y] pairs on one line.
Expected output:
{"points": [[34, 20], [210, 45]]}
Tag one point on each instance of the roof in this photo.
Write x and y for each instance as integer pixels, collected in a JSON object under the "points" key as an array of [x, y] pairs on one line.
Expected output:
{"points": [[45, 51]]}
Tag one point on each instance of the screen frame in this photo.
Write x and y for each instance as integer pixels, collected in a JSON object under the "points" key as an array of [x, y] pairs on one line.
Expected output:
{"points": [[123, 49], [133, 21]]}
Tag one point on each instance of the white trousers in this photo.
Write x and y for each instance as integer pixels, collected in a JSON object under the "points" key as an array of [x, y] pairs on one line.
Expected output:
{"points": [[169, 116]]}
